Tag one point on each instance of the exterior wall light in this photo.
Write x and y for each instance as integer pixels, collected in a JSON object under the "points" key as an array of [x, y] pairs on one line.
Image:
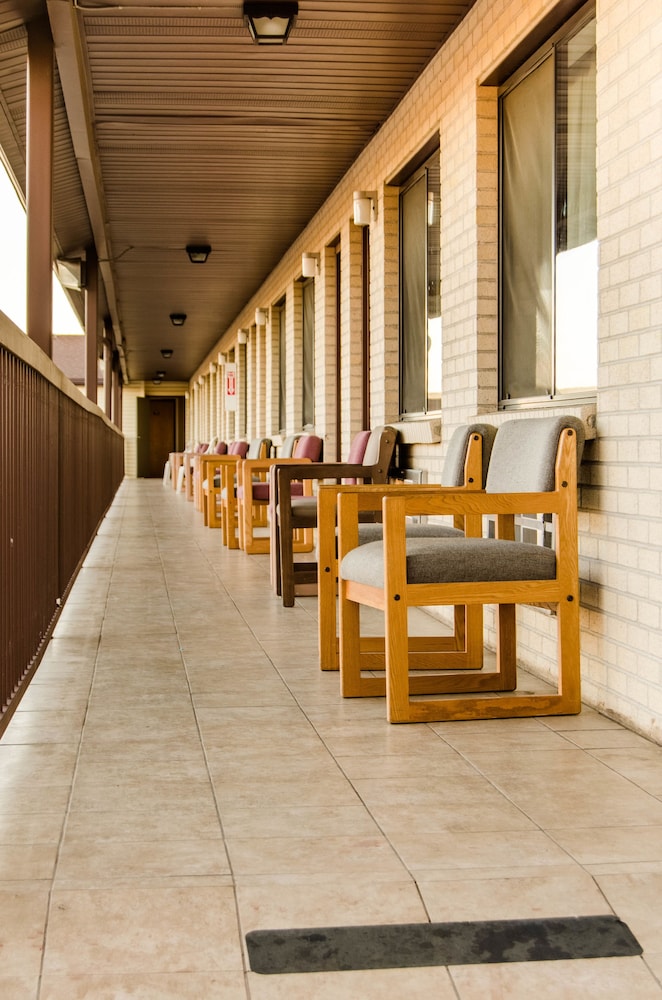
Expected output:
{"points": [[242, 336], [365, 207], [310, 265], [260, 317], [71, 272]]}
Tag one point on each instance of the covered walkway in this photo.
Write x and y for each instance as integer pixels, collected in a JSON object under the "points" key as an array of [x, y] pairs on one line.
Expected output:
{"points": [[180, 773]]}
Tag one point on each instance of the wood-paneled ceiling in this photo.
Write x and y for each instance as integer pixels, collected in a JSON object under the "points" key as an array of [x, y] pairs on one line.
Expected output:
{"points": [[173, 127]]}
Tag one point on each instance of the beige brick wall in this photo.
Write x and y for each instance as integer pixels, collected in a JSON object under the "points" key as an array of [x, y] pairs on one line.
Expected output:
{"points": [[621, 492]]}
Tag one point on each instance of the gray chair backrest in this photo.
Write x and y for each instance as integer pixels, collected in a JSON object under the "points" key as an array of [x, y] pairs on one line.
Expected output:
{"points": [[453, 470], [524, 454], [258, 448], [287, 447], [380, 446]]}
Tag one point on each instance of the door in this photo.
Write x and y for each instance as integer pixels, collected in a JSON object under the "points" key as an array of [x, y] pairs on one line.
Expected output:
{"points": [[156, 435]]}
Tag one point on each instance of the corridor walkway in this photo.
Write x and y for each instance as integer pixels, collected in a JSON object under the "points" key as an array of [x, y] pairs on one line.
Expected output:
{"points": [[180, 773]]}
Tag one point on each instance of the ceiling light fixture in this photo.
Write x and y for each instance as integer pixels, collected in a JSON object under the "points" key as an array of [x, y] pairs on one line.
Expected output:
{"points": [[160, 375], [270, 22], [198, 252], [166, 352], [178, 319]]}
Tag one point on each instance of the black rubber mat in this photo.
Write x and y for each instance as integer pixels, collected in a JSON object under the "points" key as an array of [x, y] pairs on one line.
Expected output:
{"points": [[388, 946]]}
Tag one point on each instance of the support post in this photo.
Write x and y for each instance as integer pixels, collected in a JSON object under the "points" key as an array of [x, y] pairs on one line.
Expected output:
{"points": [[91, 324], [39, 185]]}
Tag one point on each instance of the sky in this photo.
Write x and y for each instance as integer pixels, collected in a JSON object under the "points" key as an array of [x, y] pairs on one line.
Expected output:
{"points": [[12, 265]]}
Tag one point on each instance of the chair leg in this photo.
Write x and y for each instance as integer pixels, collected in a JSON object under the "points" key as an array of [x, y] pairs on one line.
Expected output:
{"points": [[286, 564], [274, 554], [568, 656], [352, 684]]}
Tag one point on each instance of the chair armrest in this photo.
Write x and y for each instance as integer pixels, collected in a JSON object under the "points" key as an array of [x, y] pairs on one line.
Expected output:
{"points": [[475, 502], [323, 470], [252, 466]]}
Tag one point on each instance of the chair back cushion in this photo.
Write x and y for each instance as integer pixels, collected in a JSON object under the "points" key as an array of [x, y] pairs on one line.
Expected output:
{"points": [[524, 454], [357, 447], [288, 446], [238, 448], [308, 446], [456, 454], [379, 449], [259, 448], [221, 448]]}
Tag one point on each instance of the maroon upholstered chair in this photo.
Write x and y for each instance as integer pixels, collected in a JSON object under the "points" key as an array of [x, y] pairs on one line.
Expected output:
{"points": [[254, 490], [231, 475], [210, 474]]}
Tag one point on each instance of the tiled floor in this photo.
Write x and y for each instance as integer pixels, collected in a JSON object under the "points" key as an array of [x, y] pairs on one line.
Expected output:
{"points": [[180, 772]]}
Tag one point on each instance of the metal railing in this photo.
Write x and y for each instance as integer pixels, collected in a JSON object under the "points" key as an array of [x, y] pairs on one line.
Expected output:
{"points": [[61, 462]]}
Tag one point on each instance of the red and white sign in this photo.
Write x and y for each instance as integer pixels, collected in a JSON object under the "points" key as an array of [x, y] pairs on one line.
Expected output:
{"points": [[231, 387]]}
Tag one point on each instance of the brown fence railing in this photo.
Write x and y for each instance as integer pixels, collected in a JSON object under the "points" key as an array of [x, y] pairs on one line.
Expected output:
{"points": [[61, 463]]}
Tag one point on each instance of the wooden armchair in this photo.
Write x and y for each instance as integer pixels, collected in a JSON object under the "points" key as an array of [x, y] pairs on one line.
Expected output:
{"points": [[185, 475], [230, 479], [465, 468], [290, 513], [211, 473], [533, 468], [253, 492], [199, 467]]}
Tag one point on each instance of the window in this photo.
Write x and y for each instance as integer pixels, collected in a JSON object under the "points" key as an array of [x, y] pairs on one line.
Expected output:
{"points": [[549, 256], [420, 303], [308, 394]]}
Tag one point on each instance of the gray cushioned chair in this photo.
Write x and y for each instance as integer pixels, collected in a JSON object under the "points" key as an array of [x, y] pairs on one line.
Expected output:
{"points": [[465, 467], [533, 468]]}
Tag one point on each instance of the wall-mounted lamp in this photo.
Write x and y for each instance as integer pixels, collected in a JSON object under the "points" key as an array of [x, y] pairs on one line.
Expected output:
{"points": [[260, 317], [166, 352], [186, 395], [268, 21], [222, 358], [178, 319], [212, 368], [198, 252], [242, 336], [71, 272], [310, 265], [365, 207]]}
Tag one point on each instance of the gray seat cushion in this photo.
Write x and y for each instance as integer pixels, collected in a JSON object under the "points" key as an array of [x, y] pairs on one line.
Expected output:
{"points": [[453, 560]]}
